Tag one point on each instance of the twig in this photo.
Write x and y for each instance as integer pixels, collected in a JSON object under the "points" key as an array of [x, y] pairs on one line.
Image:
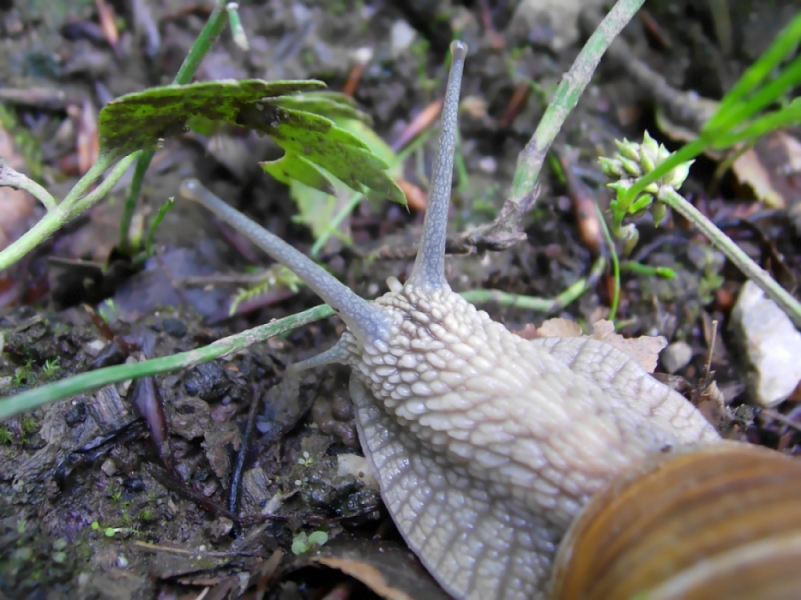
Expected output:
{"points": [[777, 416], [239, 464], [186, 552]]}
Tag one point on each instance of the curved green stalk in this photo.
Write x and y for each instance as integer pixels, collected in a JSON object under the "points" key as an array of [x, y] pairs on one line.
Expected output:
{"points": [[93, 379], [529, 163], [68, 209], [732, 251]]}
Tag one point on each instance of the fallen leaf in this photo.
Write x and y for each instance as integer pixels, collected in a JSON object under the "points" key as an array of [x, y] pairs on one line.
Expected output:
{"points": [[772, 168], [386, 567], [644, 349], [87, 140], [559, 328]]}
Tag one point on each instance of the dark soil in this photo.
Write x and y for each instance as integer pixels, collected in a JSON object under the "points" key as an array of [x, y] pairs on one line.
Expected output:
{"points": [[90, 505]]}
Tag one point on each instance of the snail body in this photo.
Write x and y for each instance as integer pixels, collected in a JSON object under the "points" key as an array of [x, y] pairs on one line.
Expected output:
{"points": [[485, 445]]}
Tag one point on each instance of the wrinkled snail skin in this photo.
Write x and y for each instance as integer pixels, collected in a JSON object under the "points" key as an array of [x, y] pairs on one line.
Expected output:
{"points": [[486, 446]]}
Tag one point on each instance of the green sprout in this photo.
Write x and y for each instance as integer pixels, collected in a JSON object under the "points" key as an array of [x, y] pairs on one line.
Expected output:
{"points": [[306, 460], [302, 542], [6, 437], [51, 367], [632, 162]]}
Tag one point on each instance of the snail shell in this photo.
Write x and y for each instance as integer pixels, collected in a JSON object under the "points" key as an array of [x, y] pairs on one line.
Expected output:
{"points": [[722, 521]]}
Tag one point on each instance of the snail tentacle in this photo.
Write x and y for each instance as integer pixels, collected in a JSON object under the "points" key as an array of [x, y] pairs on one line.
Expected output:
{"points": [[367, 322], [429, 266]]}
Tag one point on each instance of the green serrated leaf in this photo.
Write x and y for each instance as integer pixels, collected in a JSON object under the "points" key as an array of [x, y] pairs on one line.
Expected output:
{"points": [[137, 121], [333, 105], [320, 141], [372, 140], [293, 167], [140, 120]]}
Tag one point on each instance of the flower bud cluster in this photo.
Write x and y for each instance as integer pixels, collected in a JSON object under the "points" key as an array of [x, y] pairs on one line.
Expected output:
{"points": [[634, 161]]}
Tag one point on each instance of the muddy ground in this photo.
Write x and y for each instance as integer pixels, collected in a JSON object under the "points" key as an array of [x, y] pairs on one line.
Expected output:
{"points": [[90, 506]]}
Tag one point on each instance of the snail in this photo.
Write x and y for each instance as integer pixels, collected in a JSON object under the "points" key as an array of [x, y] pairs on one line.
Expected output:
{"points": [[486, 446]]}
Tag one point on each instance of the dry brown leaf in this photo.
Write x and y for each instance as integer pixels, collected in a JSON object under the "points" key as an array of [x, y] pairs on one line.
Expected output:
{"points": [[550, 328], [559, 328], [644, 349], [773, 169], [529, 332], [416, 198], [384, 566]]}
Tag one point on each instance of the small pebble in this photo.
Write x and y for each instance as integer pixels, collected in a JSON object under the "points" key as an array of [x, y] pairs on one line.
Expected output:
{"points": [[220, 528], [401, 36], [174, 327], [321, 414], [207, 380], [770, 345], [342, 408], [357, 466], [346, 432], [676, 356], [109, 467]]}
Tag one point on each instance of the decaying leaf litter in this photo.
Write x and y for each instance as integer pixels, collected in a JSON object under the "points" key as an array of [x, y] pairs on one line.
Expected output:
{"points": [[89, 503]]}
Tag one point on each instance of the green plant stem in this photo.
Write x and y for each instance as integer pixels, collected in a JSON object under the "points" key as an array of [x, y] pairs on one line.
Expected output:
{"points": [[781, 47], [68, 208], [131, 198], [728, 125], [104, 161], [151, 231], [411, 147], [529, 163], [206, 38], [349, 207], [208, 35], [10, 177], [615, 264], [92, 198], [238, 32], [732, 251], [647, 270], [101, 377], [545, 305]]}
